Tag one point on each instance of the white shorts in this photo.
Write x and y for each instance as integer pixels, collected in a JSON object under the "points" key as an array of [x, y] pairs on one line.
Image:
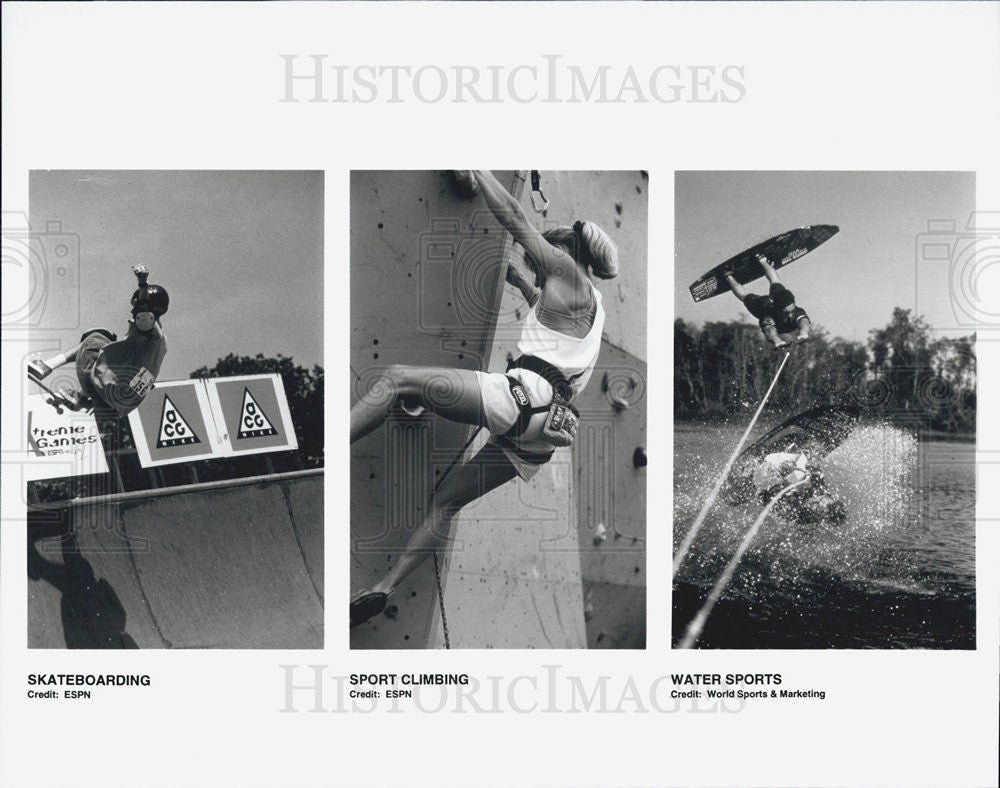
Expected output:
{"points": [[529, 451]]}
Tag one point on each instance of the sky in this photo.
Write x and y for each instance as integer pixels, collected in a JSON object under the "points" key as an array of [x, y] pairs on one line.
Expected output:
{"points": [[883, 257], [240, 253]]}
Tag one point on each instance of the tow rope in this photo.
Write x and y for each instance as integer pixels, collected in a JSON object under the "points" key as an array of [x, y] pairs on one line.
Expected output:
{"points": [[697, 623], [700, 519]]}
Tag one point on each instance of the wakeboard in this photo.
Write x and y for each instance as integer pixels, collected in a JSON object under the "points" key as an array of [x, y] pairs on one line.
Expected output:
{"points": [[779, 251]]}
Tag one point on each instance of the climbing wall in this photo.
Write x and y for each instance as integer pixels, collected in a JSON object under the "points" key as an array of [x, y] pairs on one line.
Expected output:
{"points": [[609, 461], [426, 277], [513, 578], [526, 571]]}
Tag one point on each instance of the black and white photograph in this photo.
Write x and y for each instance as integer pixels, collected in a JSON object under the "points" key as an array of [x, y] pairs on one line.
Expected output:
{"points": [[824, 410], [667, 463], [172, 318], [498, 374]]}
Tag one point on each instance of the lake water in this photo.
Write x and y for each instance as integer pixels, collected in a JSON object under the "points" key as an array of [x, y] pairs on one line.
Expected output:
{"points": [[898, 573]]}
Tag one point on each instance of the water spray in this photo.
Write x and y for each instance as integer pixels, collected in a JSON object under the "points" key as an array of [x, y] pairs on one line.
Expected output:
{"points": [[697, 624]]}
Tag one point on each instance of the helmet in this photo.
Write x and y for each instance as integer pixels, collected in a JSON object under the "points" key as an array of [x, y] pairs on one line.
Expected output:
{"points": [[152, 298]]}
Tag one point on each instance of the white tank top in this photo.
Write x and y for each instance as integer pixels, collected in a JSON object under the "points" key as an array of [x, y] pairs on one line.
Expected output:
{"points": [[574, 357]]}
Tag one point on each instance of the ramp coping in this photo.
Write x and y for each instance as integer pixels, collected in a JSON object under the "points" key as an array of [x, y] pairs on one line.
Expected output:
{"points": [[159, 492]]}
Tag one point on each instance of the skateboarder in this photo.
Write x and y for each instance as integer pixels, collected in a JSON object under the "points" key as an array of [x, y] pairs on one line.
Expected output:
{"points": [[113, 374]]}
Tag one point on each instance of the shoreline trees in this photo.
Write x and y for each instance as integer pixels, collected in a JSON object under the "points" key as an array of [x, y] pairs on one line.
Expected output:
{"points": [[724, 368]]}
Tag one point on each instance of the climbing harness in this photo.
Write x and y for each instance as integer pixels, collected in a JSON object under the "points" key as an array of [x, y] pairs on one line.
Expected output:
{"points": [[562, 418]]}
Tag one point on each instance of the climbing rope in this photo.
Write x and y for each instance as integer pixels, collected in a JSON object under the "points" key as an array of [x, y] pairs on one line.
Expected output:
{"points": [[444, 618], [437, 565]]}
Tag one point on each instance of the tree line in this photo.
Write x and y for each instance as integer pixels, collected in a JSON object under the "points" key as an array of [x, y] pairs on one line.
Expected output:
{"points": [[723, 369]]}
